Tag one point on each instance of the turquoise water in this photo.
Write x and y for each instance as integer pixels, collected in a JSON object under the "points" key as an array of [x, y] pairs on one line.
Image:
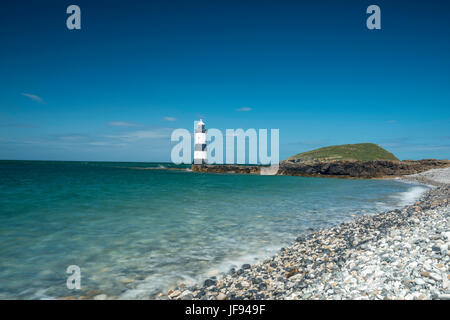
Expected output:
{"points": [[136, 232]]}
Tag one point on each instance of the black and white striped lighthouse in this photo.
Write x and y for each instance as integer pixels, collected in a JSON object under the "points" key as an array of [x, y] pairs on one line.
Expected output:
{"points": [[200, 155]]}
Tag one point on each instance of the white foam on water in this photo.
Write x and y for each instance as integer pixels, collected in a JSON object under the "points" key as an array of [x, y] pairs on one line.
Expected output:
{"points": [[152, 285], [41, 295], [409, 197]]}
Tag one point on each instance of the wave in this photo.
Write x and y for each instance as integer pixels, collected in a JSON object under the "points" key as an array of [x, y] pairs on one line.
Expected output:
{"points": [[153, 285], [410, 196]]}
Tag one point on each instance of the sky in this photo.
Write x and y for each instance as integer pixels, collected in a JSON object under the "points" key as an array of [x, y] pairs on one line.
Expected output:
{"points": [[137, 70]]}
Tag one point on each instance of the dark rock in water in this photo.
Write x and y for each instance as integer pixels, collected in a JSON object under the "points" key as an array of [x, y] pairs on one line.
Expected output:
{"points": [[240, 271], [245, 266], [210, 282], [273, 264], [226, 168], [232, 270]]}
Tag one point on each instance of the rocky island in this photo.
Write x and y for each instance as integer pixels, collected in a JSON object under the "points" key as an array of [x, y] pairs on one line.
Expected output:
{"points": [[363, 160]]}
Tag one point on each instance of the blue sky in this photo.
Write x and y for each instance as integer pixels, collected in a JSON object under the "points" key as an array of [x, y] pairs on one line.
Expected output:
{"points": [[115, 89]]}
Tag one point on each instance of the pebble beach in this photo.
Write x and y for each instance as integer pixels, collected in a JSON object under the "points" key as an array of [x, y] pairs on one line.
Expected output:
{"points": [[401, 254]]}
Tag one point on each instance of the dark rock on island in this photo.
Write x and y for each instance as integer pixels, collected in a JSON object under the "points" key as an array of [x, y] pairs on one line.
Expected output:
{"points": [[359, 169]]}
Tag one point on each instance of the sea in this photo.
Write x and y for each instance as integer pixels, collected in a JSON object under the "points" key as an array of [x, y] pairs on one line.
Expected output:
{"points": [[137, 229]]}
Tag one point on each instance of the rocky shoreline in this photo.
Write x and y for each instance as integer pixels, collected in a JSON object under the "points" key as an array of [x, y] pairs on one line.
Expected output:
{"points": [[399, 254], [359, 169], [349, 169]]}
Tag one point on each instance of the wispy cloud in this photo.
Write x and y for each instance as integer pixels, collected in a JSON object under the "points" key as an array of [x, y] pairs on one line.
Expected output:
{"points": [[73, 137], [18, 125], [34, 98], [409, 145], [244, 109], [106, 144], [170, 119], [122, 124], [143, 134], [416, 147]]}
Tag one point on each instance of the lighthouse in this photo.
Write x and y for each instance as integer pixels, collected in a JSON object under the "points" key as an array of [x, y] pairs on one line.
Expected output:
{"points": [[200, 143]]}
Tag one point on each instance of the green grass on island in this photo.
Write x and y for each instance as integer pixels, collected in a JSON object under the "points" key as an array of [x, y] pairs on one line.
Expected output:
{"points": [[359, 151]]}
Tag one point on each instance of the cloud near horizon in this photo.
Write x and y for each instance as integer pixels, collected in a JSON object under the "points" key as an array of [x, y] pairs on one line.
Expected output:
{"points": [[18, 125], [122, 124], [34, 98], [170, 119], [143, 134], [244, 109]]}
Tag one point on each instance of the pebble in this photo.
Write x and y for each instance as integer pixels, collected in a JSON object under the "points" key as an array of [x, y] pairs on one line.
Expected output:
{"points": [[221, 296], [210, 282], [187, 295], [419, 281]]}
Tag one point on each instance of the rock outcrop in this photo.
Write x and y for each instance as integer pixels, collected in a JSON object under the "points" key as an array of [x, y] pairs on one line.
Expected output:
{"points": [[359, 169], [226, 168], [336, 169]]}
